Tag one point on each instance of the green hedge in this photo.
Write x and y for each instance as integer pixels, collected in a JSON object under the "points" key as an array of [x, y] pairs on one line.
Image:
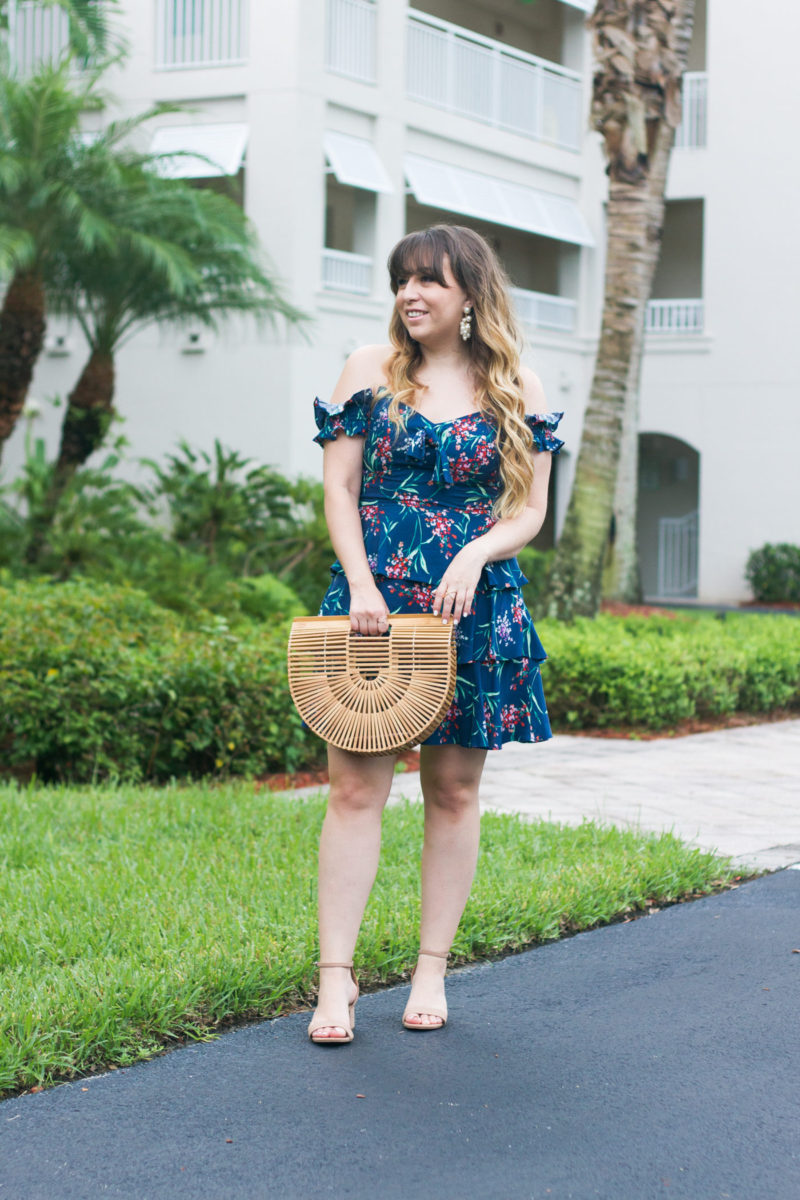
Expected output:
{"points": [[655, 671], [100, 683]]}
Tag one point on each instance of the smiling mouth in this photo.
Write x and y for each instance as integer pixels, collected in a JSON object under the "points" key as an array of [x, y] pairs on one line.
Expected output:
{"points": [[416, 312]]}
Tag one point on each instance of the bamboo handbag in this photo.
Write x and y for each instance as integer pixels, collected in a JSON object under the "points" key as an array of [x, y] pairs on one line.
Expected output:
{"points": [[372, 695]]}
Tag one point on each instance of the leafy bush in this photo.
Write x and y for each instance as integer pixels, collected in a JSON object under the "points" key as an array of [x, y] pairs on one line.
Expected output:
{"points": [[773, 573], [655, 671], [535, 566], [99, 682]]}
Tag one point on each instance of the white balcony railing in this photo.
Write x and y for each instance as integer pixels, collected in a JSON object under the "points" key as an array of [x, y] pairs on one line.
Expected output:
{"points": [[677, 555], [477, 77], [350, 39], [37, 34], [543, 311], [691, 133], [344, 272], [674, 316], [200, 33]]}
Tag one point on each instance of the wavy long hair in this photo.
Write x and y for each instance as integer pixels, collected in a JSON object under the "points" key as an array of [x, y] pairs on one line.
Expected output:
{"points": [[494, 346]]}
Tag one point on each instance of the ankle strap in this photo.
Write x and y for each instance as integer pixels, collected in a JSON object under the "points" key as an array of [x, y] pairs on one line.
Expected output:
{"points": [[321, 964], [434, 953]]}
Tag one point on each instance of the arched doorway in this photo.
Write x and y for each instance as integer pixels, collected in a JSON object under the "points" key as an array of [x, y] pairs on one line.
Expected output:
{"points": [[667, 523]]}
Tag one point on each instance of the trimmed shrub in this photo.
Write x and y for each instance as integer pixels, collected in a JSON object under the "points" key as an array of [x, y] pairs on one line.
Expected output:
{"points": [[773, 573], [99, 682], [655, 671]]}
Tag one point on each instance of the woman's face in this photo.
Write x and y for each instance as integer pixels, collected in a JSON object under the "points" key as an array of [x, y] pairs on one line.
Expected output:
{"points": [[431, 313]]}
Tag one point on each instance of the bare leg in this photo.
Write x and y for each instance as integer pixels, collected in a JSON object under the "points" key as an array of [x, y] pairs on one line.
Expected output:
{"points": [[450, 778], [348, 861]]}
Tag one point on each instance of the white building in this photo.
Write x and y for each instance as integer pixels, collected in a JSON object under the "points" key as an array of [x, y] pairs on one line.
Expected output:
{"points": [[349, 122]]}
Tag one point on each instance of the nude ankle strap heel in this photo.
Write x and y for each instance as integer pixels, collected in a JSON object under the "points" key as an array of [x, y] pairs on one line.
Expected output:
{"points": [[320, 1023], [428, 1010]]}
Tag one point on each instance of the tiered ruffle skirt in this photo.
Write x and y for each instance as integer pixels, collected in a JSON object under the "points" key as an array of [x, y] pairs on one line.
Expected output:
{"points": [[499, 696]]}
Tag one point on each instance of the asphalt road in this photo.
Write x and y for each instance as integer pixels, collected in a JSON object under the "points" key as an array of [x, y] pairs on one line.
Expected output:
{"points": [[645, 1060]]}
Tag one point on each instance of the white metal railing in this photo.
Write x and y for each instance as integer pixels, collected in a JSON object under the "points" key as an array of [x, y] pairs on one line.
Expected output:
{"points": [[674, 316], [195, 33], [344, 272], [677, 555], [478, 77], [543, 311], [691, 133], [37, 34], [350, 39]]}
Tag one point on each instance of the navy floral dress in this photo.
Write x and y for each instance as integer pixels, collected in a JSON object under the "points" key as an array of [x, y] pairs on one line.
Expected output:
{"points": [[425, 493]]}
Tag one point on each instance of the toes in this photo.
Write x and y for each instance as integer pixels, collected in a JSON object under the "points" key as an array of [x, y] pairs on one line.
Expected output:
{"points": [[423, 1019]]}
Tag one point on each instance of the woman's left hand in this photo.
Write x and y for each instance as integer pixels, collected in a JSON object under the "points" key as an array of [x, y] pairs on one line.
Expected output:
{"points": [[454, 595]]}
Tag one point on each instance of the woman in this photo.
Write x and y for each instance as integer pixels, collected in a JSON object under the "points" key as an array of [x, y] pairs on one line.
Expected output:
{"points": [[436, 468]]}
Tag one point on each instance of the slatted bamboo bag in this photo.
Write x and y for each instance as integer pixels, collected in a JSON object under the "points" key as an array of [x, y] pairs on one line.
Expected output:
{"points": [[372, 695]]}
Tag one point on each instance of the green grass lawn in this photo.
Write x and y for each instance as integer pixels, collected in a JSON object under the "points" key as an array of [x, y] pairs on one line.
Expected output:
{"points": [[136, 917]]}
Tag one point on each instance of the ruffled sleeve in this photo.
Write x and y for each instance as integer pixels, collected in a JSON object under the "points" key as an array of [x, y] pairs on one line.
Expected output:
{"points": [[543, 427], [350, 418]]}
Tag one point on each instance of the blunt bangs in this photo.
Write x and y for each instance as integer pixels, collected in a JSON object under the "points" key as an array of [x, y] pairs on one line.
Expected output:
{"points": [[421, 253]]}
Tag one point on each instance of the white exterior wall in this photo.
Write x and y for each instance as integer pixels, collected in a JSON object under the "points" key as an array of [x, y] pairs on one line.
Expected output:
{"points": [[727, 392], [733, 394]]}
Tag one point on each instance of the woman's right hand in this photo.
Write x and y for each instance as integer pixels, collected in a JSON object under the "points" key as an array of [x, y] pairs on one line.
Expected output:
{"points": [[369, 613]]}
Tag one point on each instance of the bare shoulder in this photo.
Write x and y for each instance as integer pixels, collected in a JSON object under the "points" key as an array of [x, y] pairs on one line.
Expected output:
{"points": [[532, 391], [368, 363], [365, 368]]}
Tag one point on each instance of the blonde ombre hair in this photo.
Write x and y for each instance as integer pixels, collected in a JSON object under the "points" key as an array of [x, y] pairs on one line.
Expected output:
{"points": [[493, 346]]}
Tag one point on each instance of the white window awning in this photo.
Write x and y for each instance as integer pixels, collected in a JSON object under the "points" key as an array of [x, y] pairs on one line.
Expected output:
{"points": [[355, 162], [201, 151], [454, 189]]}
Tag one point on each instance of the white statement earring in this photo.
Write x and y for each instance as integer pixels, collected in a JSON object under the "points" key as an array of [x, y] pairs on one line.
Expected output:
{"points": [[465, 328]]}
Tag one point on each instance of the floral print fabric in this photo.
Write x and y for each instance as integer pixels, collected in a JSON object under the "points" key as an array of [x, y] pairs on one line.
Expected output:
{"points": [[425, 493]]}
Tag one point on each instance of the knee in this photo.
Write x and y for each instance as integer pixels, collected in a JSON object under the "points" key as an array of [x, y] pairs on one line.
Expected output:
{"points": [[451, 798], [351, 798]]}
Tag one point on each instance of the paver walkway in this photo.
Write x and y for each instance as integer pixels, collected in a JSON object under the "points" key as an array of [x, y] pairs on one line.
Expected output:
{"points": [[736, 790]]}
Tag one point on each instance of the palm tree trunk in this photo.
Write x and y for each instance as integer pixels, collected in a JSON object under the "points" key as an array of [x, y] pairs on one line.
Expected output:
{"points": [[86, 421], [641, 48], [575, 582], [22, 326], [621, 579], [88, 416]]}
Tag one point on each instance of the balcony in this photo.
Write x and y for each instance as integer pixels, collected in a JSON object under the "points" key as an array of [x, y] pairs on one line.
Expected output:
{"points": [[346, 272], [485, 80], [691, 133], [350, 39], [541, 311], [674, 317], [36, 34], [200, 33]]}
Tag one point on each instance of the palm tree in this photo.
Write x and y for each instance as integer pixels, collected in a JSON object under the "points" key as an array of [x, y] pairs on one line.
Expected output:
{"points": [[189, 256], [91, 34], [641, 48], [49, 183]]}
